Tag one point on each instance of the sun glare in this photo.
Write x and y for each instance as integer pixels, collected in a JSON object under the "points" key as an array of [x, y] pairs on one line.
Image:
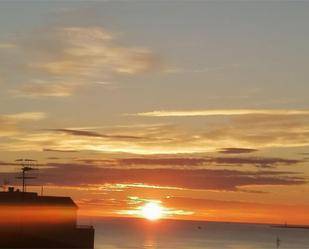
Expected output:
{"points": [[152, 211]]}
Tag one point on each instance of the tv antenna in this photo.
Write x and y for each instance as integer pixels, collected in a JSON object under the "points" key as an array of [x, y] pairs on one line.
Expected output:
{"points": [[26, 166]]}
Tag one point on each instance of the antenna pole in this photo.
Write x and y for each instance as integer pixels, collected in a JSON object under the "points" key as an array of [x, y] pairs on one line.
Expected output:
{"points": [[26, 165], [23, 180]]}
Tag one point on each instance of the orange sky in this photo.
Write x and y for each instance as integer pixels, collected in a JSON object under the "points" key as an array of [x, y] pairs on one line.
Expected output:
{"points": [[206, 115]]}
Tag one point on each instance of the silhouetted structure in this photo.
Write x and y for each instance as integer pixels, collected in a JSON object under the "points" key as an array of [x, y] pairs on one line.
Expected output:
{"points": [[28, 220], [26, 166]]}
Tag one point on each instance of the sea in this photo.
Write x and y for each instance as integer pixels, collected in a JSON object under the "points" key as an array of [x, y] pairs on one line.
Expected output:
{"points": [[120, 233]]}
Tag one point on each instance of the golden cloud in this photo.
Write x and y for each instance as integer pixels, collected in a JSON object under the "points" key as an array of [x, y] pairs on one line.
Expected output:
{"points": [[42, 89], [84, 55], [241, 131], [9, 122], [223, 112], [24, 116]]}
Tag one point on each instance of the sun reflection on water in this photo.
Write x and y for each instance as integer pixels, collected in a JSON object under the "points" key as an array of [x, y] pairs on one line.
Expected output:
{"points": [[150, 242]]}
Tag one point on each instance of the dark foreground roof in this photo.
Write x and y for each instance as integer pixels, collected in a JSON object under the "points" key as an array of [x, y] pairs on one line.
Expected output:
{"points": [[29, 198]]}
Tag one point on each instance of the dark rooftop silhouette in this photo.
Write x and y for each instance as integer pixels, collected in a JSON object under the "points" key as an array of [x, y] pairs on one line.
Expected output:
{"points": [[32, 198]]}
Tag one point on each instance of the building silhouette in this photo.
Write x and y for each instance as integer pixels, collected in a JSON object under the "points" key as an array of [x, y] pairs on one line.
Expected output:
{"points": [[28, 220]]}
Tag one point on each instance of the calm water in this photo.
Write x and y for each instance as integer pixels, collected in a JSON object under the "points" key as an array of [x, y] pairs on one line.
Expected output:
{"points": [[140, 234]]}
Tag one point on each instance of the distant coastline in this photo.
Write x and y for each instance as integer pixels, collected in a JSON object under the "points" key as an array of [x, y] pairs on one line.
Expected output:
{"points": [[291, 226], [86, 218]]}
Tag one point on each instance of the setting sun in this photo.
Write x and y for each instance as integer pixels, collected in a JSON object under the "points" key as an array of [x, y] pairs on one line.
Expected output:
{"points": [[154, 124], [152, 211]]}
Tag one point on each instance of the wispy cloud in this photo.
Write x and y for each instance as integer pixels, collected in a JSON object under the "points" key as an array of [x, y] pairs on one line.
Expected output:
{"points": [[84, 133], [236, 150], [241, 131], [24, 116], [89, 51], [9, 122], [223, 112], [43, 89], [61, 151], [194, 179], [262, 162], [50, 60], [121, 186], [208, 179]]}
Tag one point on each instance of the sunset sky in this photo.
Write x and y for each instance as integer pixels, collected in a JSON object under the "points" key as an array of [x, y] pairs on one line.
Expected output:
{"points": [[200, 106]]}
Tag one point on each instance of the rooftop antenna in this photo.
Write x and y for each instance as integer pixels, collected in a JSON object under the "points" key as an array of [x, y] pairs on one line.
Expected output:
{"points": [[26, 166]]}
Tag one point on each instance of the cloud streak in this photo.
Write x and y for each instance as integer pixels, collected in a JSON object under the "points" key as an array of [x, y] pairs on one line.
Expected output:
{"points": [[9, 122], [237, 150], [209, 161], [61, 151], [57, 61], [25, 116], [199, 179], [244, 131], [84, 133], [219, 112], [40, 89]]}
